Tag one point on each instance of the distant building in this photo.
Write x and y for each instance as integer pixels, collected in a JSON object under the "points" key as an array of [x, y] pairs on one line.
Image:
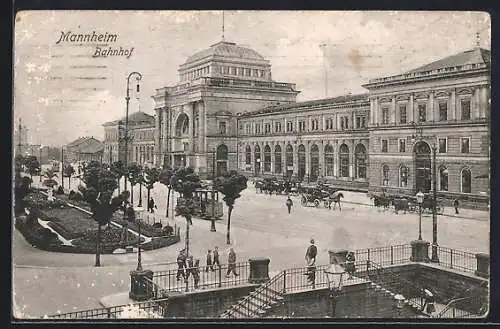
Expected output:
{"points": [[141, 131], [84, 149]]}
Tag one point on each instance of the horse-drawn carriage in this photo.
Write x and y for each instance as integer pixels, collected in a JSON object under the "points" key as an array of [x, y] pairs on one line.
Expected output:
{"points": [[403, 202], [320, 194]]}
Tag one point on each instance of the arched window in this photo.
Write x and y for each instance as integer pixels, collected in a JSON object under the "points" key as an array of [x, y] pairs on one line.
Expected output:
{"points": [[301, 153], [314, 157], [344, 160], [256, 153], [248, 155], [267, 158], [277, 159], [403, 176], [289, 159], [329, 160], [222, 152], [385, 175], [466, 180], [443, 178], [360, 161], [182, 125]]}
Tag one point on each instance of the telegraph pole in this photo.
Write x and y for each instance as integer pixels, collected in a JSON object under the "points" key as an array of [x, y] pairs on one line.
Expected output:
{"points": [[323, 47], [434, 257]]}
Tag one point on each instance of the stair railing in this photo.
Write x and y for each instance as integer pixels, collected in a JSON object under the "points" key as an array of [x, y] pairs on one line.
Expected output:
{"points": [[249, 309], [456, 306]]}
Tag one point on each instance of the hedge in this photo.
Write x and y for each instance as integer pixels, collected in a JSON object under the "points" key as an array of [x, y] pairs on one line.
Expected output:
{"points": [[160, 242]]}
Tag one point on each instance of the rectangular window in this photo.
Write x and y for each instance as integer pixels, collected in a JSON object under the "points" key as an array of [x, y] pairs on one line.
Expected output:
{"points": [[384, 145], [358, 122], [257, 128], [261, 73], [233, 70], [465, 109], [267, 128], [443, 111], [248, 129], [385, 115], [363, 122], [302, 125], [402, 145], [222, 127], [402, 114], [277, 127], [443, 145], [421, 113], [289, 126], [255, 73], [329, 124], [465, 145]]}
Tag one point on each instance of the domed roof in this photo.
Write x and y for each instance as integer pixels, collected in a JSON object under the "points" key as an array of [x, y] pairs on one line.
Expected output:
{"points": [[226, 49]]}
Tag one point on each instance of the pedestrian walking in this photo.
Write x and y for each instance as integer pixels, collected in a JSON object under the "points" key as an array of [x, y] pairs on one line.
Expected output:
{"points": [[181, 265], [190, 265], [311, 253], [151, 205], [231, 263], [209, 265], [196, 273], [455, 205], [428, 298], [216, 257], [289, 204]]}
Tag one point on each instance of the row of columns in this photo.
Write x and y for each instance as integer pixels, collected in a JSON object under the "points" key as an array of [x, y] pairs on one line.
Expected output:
{"points": [[478, 97], [144, 153], [307, 147]]}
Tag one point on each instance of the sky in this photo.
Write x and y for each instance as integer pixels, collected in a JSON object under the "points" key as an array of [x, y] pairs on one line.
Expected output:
{"points": [[62, 92]]}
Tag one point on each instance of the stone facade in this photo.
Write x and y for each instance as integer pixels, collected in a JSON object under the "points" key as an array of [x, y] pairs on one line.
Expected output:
{"points": [[141, 132], [196, 120]]}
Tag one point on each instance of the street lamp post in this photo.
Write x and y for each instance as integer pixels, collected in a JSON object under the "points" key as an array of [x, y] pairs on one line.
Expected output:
{"points": [[40, 157], [400, 303], [127, 99], [420, 200], [213, 164], [139, 211], [334, 275], [434, 257]]}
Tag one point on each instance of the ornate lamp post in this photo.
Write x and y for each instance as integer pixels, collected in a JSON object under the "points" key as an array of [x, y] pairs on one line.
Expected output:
{"points": [[139, 211], [40, 157], [334, 275], [420, 201], [127, 99], [213, 164], [399, 303]]}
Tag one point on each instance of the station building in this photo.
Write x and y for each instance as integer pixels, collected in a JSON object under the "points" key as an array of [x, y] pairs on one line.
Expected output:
{"points": [[196, 119], [384, 139]]}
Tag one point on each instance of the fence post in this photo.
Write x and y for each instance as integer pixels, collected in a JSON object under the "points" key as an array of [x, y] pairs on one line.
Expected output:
{"points": [[220, 275], [284, 281], [109, 313], [392, 255], [368, 254], [451, 258]]}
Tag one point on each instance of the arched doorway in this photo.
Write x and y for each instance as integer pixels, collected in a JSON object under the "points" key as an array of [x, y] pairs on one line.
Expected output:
{"points": [[248, 156], [267, 158], [360, 161], [422, 154], [314, 171], [182, 125], [344, 160], [289, 160], [277, 159], [181, 133], [302, 161], [465, 179], [256, 154], [221, 159]]}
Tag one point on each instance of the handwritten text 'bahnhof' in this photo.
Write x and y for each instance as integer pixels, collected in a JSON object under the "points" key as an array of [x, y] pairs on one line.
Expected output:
{"points": [[70, 37]]}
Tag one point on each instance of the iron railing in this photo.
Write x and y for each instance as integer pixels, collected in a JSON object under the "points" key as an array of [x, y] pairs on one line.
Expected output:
{"points": [[466, 307], [456, 259], [388, 255], [151, 309], [216, 278]]}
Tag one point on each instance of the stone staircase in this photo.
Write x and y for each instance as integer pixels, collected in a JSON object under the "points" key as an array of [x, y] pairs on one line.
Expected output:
{"points": [[260, 302]]}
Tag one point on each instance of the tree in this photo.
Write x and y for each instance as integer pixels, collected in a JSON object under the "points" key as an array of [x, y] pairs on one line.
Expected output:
{"points": [[165, 178], [151, 176], [32, 165], [230, 184], [186, 181], [50, 175], [119, 170], [134, 177], [21, 190], [68, 172], [100, 184]]}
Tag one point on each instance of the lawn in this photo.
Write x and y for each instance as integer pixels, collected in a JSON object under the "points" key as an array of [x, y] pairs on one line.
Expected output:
{"points": [[72, 220]]}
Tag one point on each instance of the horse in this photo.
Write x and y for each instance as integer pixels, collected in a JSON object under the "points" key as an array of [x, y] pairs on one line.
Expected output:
{"points": [[400, 204], [381, 201], [335, 199]]}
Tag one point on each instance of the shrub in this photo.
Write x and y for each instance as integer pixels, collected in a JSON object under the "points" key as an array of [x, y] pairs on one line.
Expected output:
{"points": [[157, 225], [75, 196], [60, 190], [160, 242]]}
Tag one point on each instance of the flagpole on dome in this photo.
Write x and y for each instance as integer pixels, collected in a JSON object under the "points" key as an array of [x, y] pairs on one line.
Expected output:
{"points": [[223, 25]]}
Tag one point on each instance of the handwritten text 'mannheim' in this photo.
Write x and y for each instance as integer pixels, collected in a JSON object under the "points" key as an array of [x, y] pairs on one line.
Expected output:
{"points": [[87, 37]]}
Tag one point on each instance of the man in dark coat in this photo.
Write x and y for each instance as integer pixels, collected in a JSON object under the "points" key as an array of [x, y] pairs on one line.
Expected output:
{"points": [[209, 261], [231, 261], [216, 256], [181, 264], [289, 204], [455, 205], [151, 205]]}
